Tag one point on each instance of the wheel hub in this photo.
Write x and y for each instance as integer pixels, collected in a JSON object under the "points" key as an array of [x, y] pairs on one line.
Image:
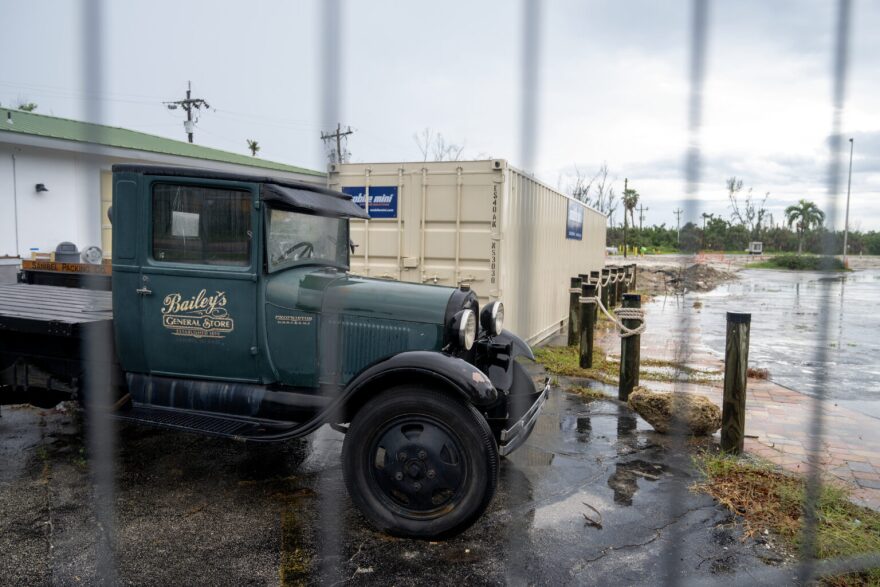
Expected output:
{"points": [[418, 465]]}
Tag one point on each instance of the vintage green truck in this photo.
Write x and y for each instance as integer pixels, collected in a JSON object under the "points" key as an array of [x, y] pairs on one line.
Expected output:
{"points": [[232, 313]]}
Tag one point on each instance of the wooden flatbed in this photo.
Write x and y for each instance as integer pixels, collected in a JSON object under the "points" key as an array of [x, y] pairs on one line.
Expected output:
{"points": [[47, 309]]}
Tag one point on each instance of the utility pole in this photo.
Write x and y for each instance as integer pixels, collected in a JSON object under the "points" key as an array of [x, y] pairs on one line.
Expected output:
{"points": [[338, 136], [848, 186], [677, 213], [625, 190], [189, 104], [642, 210]]}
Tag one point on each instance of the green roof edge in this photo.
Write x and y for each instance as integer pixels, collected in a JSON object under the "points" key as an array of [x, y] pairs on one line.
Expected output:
{"points": [[30, 123]]}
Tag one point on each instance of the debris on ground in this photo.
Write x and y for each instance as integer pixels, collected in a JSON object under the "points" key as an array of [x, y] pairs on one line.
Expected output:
{"points": [[697, 413], [770, 503], [758, 373], [678, 279]]}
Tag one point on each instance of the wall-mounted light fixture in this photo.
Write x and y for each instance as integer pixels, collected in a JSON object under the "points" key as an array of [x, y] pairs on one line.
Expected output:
{"points": [[41, 187]]}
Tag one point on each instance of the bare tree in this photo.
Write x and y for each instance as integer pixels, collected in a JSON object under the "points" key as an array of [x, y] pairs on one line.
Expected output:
{"points": [[746, 210], [596, 191], [435, 146]]}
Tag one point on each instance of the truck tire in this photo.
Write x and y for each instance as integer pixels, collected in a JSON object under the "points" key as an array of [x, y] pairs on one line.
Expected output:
{"points": [[419, 463]]}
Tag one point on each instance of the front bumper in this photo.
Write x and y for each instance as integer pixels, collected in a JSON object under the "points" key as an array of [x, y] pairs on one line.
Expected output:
{"points": [[511, 438]]}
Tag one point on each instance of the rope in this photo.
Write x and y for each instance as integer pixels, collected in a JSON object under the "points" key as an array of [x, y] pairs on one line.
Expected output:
{"points": [[622, 314]]}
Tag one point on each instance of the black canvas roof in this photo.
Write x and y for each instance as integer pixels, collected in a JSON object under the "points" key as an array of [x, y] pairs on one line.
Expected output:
{"points": [[284, 193]]}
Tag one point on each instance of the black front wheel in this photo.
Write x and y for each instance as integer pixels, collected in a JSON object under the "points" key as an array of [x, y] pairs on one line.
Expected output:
{"points": [[419, 463]]}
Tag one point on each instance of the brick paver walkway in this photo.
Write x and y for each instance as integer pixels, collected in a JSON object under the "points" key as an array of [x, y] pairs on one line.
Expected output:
{"points": [[778, 420]]}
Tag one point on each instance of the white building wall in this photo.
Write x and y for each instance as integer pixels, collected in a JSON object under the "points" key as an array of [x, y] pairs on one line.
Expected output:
{"points": [[69, 211]]}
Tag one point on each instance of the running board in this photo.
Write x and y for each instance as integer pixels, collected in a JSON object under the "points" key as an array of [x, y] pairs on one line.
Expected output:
{"points": [[238, 428]]}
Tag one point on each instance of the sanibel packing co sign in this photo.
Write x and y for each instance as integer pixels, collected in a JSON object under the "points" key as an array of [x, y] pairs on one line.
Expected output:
{"points": [[383, 199]]}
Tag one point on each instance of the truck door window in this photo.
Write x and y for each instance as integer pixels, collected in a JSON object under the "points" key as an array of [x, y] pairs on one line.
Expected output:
{"points": [[203, 225], [305, 239]]}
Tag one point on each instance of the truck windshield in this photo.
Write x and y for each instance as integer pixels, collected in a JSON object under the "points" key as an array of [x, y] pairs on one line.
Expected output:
{"points": [[303, 239]]}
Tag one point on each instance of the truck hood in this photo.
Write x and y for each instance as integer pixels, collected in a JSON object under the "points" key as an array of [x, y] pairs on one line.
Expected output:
{"points": [[329, 291]]}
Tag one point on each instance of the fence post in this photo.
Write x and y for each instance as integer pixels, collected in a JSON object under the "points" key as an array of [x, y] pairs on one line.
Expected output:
{"points": [[605, 286], [629, 352], [588, 324], [736, 365], [574, 293], [612, 287], [596, 279], [635, 272], [615, 275]]}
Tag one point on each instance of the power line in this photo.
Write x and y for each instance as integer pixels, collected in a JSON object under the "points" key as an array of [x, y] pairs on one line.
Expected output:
{"points": [[188, 104]]}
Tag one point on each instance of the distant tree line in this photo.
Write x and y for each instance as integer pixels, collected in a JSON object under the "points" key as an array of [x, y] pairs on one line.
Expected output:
{"points": [[749, 220], [721, 235]]}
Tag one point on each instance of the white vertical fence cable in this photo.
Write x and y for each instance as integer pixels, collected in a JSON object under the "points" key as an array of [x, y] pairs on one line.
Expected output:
{"points": [[678, 451], [817, 423], [530, 63], [329, 523], [98, 349]]}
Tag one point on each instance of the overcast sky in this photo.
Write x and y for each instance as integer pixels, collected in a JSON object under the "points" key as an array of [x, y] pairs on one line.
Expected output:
{"points": [[613, 85]]}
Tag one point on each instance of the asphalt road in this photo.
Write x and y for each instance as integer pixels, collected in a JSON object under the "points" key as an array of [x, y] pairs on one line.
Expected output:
{"points": [[191, 510]]}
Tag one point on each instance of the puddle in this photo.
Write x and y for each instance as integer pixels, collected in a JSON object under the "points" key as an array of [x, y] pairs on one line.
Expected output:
{"points": [[786, 318]]}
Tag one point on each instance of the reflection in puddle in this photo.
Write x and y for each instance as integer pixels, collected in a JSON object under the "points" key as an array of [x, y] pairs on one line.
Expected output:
{"points": [[624, 480]]}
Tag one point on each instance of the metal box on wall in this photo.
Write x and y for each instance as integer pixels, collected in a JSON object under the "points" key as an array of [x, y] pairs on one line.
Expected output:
{"points": [[481, 223]]}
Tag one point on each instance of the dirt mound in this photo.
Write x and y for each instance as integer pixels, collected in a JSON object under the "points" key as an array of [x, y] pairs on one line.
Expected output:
{"points": [[676, 279], [700, 415]]}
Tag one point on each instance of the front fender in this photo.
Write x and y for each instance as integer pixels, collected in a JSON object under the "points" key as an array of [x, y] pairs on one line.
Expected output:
{"points": [[474, 386], [520, 347]]}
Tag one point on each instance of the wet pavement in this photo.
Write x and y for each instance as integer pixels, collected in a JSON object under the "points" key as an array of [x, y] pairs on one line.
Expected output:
{"points": [[778, 418], [585, 500]]}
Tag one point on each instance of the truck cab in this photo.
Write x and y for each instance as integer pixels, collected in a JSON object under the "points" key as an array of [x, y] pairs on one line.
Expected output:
{"points": [[235, 314]]}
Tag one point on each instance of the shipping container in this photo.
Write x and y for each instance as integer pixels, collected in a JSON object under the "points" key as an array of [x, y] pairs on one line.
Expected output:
{"points": [[483, 224]]}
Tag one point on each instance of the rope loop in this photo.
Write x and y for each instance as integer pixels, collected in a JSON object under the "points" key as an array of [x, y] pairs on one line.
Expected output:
{"points": [[621, 314]]}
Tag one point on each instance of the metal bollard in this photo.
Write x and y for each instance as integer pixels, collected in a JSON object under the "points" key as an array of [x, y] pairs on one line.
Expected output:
{"points": [[588, 324], [736, 366], [629, 352], [574, 293]]}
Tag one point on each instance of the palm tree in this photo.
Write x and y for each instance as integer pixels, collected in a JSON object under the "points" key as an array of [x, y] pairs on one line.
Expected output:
{"points": [[804, 216], [254, 146], [630, 199]]}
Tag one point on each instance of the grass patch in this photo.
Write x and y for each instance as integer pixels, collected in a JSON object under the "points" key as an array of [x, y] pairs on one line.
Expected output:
{"points": [[587, 393], [800, 263], [565, 360], [773, 500]]}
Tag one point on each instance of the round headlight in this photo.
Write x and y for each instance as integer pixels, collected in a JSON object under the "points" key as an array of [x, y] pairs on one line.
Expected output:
{"points": [[492, 318], [467, 329]]}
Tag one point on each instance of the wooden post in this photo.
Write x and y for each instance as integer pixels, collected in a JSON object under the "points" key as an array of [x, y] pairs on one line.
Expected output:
{"points": [[610, 302], [736, 365], [624, 275], [596, 279], [605, 288], [629, 352], [588, 324], [615, 289], [620, 285], [635, 272], [574, 293]]}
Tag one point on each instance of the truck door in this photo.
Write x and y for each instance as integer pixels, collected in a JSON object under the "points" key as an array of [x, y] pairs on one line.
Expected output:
{"points": [[199, 280]]}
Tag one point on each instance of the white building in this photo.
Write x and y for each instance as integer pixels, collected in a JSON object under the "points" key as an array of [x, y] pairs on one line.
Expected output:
{"points": [[55, 180]]}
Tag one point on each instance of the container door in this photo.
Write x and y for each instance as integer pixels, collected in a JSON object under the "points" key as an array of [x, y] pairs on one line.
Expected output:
{"points": [[199, 281]]}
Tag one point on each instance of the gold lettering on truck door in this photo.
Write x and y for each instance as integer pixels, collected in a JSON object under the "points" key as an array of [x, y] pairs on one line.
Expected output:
{"points": [[198, 316]]}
